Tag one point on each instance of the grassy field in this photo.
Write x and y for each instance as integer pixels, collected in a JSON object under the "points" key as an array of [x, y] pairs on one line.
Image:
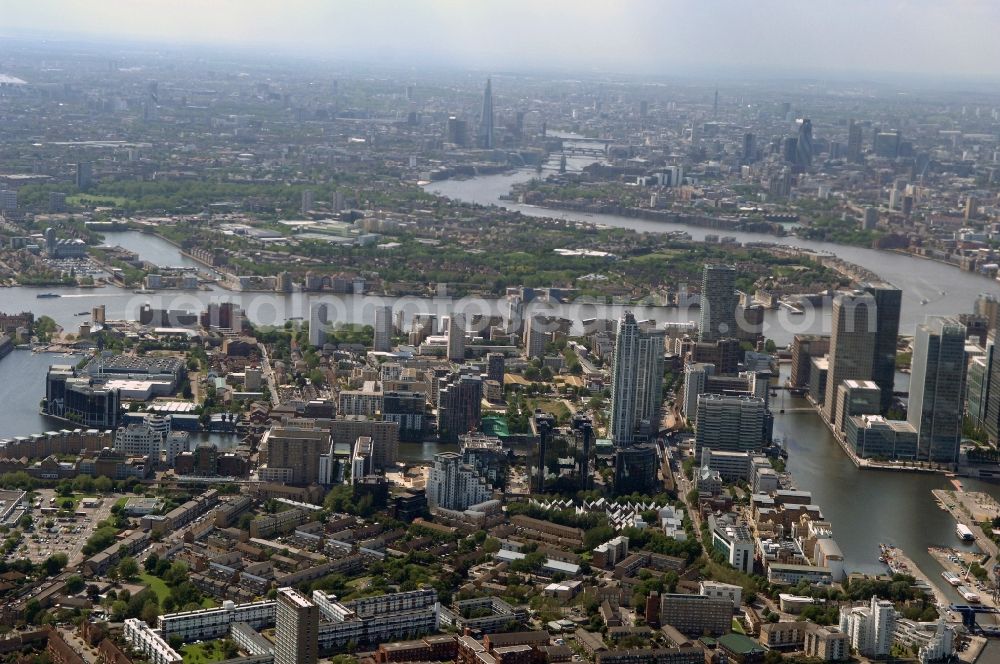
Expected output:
{"points": [[554, 406], [161, 590], [76, 498], [203, 653], [157, 585], [95, 199]]}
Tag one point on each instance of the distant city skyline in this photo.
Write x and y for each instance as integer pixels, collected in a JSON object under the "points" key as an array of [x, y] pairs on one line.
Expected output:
{"points": [[943, 41]]}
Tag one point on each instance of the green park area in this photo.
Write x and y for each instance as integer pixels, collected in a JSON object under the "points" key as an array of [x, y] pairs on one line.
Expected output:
{"points": [[204, 652], [96, 199], [556, 407], [156, 585]]}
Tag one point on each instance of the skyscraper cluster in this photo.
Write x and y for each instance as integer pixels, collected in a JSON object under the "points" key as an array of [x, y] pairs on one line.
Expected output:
{"points": [[861, 368]]}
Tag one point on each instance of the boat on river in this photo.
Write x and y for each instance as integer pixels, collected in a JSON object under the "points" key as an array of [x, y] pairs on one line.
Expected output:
{"points": [[968, 595], [42, 296], [951, 578]]}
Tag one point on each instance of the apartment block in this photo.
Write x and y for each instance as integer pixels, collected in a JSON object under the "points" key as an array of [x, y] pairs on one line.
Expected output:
{"points": [[696, 614]]}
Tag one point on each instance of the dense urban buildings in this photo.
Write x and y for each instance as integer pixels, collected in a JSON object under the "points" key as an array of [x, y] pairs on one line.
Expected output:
{"points": [[399, 361]]}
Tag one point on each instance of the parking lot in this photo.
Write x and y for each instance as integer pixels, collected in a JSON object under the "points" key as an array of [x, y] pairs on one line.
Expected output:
{"points": [[65, 534]]}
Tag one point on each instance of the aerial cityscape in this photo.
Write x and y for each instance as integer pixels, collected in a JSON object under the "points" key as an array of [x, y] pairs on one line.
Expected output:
{"points": [[499, 333]]}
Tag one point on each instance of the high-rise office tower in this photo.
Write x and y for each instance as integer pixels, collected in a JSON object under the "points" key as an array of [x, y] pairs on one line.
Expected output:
{"points": [[307, 200], [296, 629], [886, 143], [544, 424], [937, 389], [852, 345], [383, 329], [84, 175], [635, 469], [988, 306], [971, 207], [804, 348], [748, 148], [637, 379], [978, 381], [458, 131], [585, 429], [536, 336], [495, 366], [991, 407], [730, 423], [486, 137], [789, 149], [854, 142], [319, 324], [804, 144], [695, 383], [456, 337], [459, 406], [718, 303], [888, 303], [8, 200]]}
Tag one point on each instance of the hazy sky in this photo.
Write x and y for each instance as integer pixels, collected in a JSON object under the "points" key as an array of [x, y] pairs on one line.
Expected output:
{"points": [[958, 38]]}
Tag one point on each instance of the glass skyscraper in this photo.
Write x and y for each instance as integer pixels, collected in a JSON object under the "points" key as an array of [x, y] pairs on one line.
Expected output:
{"points": [[486, 137], [888, 303], [637, 379], [717, 318], [937, 388]]}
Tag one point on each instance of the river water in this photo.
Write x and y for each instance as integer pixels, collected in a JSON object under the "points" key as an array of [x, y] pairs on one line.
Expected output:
{"points": [[268, 308], [946, 289], [866, 507]]}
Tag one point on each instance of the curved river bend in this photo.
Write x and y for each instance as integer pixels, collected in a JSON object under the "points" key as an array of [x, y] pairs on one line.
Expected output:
{"points": [[865, 507]]}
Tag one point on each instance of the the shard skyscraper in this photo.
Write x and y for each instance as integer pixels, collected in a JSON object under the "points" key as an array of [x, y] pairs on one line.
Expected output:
{"points": [[486, 139]]}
